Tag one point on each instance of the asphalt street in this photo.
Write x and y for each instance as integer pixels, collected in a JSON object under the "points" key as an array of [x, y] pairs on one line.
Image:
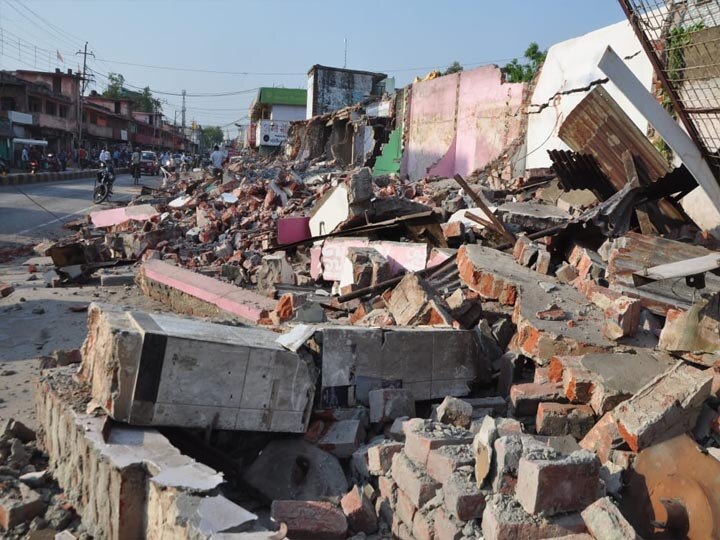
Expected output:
{"points": [[32, 212]]}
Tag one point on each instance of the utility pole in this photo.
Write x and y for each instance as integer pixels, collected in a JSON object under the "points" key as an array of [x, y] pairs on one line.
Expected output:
{"points": [[82, 87], [183, 111], [345, 61]]}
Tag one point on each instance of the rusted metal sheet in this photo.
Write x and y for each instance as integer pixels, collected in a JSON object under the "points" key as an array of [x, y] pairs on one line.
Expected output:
{"points": [[674, 492], [580, 171], [599, 127]]}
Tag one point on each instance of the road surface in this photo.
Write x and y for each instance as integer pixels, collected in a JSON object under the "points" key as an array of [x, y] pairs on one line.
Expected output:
{"points": [[24, 221]]}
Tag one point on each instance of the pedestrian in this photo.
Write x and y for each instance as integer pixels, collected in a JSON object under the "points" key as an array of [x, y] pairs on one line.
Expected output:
{"points": [[217, 158], [82, 157], [116, 157], [25, 158], [62, 158], [135, 160]]}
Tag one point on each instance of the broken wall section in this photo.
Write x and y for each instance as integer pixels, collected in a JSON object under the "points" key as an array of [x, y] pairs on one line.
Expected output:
{"points": [[461, 122]]}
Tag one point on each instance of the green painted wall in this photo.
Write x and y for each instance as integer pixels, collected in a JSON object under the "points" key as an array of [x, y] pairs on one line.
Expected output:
{"points": [[389, 161]]}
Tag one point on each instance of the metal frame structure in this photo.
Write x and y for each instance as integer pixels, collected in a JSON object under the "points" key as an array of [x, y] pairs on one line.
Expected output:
{"points": [[682, 41]]}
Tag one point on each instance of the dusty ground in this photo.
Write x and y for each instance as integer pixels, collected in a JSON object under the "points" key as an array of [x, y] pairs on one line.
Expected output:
{"points": [[35, 320]]}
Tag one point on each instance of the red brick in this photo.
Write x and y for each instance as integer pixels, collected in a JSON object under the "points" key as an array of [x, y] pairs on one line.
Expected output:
{"points": [[444, 461], [359, 511], [20, 506], [602, 438], [462, 498], [387, 487], [526, 397], [446, 526], [423, 526], [310, 520], [604, 520], [417, 485], [380, 457], [420, 438], [563, 419], [405, 509], [542, 375], [504, 519], [557, 486], [454, 232]]}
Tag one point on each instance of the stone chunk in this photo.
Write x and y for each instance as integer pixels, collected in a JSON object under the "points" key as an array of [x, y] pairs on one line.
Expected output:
{"points": [[342, 438], [414, 302], [19, 506], [156, 369], [527, 397], [455, 412], [310, 520], [387, 404], [557, 486], [562, 419], [417, 485], [296, 469], [694, 333], [359, 511], [604, 520], [667, 406]]}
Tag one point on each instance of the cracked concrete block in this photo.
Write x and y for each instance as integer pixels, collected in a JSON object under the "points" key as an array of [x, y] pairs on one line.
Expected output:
{"points": [[414, 302], [153, 369], [694, 333]]}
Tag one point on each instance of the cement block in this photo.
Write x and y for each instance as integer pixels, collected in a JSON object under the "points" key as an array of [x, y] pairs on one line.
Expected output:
{"points": [[430, 363]]}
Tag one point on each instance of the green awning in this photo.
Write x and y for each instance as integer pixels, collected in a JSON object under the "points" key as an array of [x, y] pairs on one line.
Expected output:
{"points": [[283, 96]]}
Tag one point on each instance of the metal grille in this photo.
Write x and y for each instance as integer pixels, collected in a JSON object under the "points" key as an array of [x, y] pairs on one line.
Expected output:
{"points": [[682, 39]]}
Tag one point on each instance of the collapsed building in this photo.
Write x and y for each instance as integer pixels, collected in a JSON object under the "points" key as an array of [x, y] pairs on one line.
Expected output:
{"points": [[425, 320]]}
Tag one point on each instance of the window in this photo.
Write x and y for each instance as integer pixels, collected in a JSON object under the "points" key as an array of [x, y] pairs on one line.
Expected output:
{"points": [[63, 111], [50, 108], [93, 118], [117, 107], [7, 103], [34, 104], [57, 85]]}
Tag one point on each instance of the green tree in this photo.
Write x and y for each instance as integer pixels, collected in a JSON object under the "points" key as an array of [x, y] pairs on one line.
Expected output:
{"points": [[455, 67], [517, 72], [145, 102], [115, 85], [211, 135]]}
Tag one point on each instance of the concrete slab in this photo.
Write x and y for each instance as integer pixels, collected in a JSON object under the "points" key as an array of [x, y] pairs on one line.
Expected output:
{"points": [[116, 216], [152, 369]]}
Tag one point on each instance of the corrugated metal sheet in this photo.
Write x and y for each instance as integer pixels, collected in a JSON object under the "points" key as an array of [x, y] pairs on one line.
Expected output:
{"points": [[599, 127]]}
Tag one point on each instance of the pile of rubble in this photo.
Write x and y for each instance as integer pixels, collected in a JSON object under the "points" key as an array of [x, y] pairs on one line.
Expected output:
{"points": [[535, 358]]}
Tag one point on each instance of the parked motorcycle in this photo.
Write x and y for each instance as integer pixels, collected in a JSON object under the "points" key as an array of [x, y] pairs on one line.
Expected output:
{"points": [[103, 184]]}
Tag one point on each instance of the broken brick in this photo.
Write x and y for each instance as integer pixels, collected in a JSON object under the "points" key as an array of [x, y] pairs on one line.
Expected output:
{"points": [[310, 520], [526, 397], [359, 511], [564, 419]]}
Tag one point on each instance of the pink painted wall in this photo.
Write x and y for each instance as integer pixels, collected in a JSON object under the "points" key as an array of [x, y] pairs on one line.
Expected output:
{"points": [[488, 119]]}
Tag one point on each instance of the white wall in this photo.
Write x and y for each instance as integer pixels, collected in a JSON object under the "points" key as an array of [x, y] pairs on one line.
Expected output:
{"points": [[287, 112], [573, 64]]}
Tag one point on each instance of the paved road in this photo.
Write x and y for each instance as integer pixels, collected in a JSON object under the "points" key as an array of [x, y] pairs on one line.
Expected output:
{"points": [[23, 221]]}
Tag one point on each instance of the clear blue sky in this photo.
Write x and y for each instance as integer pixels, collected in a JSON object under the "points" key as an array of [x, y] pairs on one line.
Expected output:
{"points": [[279, 40]]}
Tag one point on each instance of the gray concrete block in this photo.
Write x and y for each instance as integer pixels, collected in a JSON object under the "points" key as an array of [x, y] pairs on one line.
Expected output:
{"points": [[152, 369]]}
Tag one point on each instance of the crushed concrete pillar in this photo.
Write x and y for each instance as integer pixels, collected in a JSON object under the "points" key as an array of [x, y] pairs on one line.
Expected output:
{"points": [[667, 406], [153, 369]]}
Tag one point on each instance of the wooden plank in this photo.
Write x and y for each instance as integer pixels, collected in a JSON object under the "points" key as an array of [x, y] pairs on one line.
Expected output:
{"points": [[499, 226]]}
